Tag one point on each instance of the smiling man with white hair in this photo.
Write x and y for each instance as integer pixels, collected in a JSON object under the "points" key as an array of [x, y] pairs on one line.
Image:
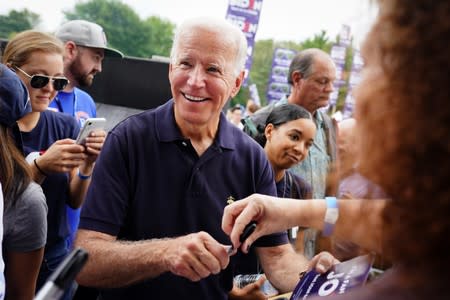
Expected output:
{"points": [[151, 220]]}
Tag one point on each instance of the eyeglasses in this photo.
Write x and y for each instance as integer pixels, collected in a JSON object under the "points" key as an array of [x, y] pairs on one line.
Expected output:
{"points": [[39, 81]]}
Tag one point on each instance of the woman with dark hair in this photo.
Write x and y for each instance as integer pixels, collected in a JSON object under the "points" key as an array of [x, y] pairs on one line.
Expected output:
{"points": [[289, 133], [25, 209], [287, 137], [403, 146]]}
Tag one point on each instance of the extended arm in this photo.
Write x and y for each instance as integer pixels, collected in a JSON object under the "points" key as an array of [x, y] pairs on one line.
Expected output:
{"points": [[282, 266], [114, 263], [359, 220]]}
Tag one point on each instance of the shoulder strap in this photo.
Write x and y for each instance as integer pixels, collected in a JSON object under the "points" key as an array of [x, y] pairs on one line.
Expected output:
{"points": [[249, 125], [252, 124], [330, 129], [294, 194]]}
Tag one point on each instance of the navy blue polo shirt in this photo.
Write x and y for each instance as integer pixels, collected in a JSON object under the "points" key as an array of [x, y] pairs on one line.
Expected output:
{"points": [[149, 183], [50, 128]]}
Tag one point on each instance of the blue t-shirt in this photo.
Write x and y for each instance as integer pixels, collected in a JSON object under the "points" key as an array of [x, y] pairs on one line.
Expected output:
{"points": [[150, 183], [50, 128], [80, 105], [77, 103]]}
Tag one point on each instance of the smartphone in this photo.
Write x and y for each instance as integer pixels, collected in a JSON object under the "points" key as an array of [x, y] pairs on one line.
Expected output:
{"points": [[90, 125]]}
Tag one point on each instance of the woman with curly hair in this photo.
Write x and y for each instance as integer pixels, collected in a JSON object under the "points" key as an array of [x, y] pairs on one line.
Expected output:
{"points": [[403, 128]]}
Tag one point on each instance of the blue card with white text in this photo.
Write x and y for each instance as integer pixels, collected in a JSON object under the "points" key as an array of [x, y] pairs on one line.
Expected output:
{"points": [[338, 280]]}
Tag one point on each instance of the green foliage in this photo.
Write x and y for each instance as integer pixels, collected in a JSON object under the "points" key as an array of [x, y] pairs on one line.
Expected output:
{"points": [[124, 29], [241, 97], [261, 67], [122, 25], [17, 21], [161, 36], [320, 41]]}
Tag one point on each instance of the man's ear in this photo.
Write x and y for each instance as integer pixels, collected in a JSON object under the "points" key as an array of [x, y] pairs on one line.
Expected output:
{"points": [[170, 70], [71, 50], [296, 77], [237, 83]]}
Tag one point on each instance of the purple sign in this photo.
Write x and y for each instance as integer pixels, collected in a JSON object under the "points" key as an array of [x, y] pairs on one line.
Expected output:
{"points": [[254, 94], [278, 85], [348, 106], [283, 57], [248, 24], [344, 35], [245, 15], [338, 54], [338, 280], [245, 7]]}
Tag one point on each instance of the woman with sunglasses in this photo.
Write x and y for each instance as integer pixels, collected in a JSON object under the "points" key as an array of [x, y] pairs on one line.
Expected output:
{"points": [[62, 167]]}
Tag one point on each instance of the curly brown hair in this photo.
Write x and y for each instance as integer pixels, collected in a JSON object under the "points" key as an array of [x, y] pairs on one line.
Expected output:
{"points": [[404, 127]]}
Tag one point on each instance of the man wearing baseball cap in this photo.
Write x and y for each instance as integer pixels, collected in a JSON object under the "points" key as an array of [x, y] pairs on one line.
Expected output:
{"points": [[85, 47]]}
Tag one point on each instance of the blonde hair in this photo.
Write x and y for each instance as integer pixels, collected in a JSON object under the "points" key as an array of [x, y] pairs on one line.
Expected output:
{"points": [[20, 47]]}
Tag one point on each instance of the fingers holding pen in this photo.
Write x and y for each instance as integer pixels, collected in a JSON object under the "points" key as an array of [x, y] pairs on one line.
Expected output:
{"points": [[196, 256]]}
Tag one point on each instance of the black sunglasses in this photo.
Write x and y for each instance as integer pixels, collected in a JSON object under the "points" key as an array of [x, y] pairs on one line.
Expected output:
{"points": [[39, 81]]}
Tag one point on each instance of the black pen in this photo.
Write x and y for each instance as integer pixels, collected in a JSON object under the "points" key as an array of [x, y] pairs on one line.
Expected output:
{"points": [[248, 230]]}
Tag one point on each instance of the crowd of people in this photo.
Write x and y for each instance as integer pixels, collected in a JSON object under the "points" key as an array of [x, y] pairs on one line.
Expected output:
{"points": [[165, 195]]}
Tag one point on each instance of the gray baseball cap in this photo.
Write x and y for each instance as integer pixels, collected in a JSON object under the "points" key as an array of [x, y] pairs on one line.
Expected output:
{"points": [[87, 34]]}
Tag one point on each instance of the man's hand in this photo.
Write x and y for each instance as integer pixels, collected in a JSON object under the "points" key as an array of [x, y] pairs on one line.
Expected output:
{"points": [[195, 256]]}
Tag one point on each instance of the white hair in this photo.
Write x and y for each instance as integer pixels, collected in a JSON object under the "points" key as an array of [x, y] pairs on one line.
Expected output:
{"points": [[219, 26]]}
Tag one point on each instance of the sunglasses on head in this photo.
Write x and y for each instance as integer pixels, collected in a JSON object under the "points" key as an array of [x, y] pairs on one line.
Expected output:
{"points": [[39, 81]]}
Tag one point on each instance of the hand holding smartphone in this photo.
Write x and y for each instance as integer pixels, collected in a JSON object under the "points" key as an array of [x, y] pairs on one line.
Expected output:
{"points": [[90, 125]]}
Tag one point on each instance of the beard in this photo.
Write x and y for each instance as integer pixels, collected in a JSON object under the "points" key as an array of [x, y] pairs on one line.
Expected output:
{"points": [[81, 78]]}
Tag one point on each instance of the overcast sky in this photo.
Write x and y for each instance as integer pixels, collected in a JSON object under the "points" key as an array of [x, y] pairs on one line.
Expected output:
{"points": [[293, 20]]}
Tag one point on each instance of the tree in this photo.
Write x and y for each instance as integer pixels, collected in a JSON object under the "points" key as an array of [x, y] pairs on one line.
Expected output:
{"points": [[161, 36], [261, 67], [320, 41], [123, 27], [17, 21]]}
